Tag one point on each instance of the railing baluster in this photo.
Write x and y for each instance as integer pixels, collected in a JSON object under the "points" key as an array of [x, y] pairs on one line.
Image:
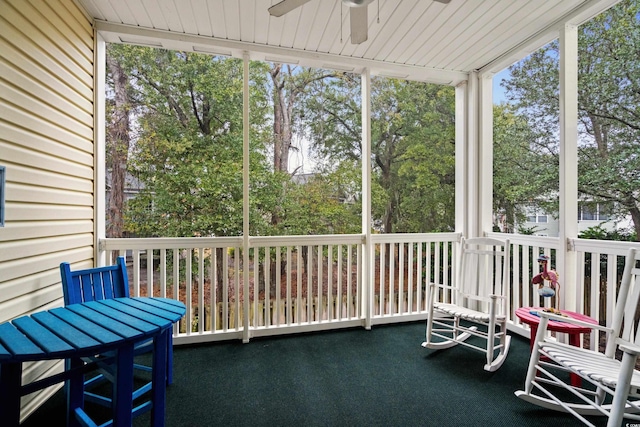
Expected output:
{"points": [[225, 290], [309, 284], [299, 284], [163, 273], [516, 283], [526, 278], [320, 279], [267, 286], [288, 274], [189, 290], [349, 268], [201, 308], [419, 266], [331, 302], [236, 288], [411, 264]]}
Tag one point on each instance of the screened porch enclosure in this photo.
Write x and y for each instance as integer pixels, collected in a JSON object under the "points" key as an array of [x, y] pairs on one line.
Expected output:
{"points": [[241, 287], [52, 110]]}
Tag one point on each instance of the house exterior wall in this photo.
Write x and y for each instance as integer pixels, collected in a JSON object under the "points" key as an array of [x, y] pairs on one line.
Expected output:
{"points": [[46, 145]]}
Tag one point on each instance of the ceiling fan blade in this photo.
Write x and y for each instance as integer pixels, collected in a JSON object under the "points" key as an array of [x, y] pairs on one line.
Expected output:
{"points": [[359, 24], [443, 1], [285, 6]]}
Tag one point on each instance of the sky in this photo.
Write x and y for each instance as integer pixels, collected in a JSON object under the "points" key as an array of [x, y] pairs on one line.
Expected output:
{"points": [[498, 91]]}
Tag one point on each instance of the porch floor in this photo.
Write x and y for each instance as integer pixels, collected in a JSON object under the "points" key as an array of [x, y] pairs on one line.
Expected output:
{"points": [[355, 377]]}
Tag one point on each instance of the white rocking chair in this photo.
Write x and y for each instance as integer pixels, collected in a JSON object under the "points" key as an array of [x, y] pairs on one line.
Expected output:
{"points": [[612, 386], [477, 303]]}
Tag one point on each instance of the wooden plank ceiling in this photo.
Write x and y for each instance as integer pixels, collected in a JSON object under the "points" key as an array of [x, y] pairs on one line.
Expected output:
{"points": [[417, 39]]}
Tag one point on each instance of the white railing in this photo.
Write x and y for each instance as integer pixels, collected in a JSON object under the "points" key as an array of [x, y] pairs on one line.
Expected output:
{"points": [[292, 283], [599, 266], [306, 283], [404, 265], [525, 251]]}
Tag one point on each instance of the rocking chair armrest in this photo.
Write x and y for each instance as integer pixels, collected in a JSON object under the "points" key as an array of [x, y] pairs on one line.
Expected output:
{"points": [[630, 348], [440, 285], [491, 299]]}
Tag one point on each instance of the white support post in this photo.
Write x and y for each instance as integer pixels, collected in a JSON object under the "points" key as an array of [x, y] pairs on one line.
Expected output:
{"points": [[485, 155], [245, 197], [461, 160], [473, 169], [99, 147], [368, 252], [566, 257]]}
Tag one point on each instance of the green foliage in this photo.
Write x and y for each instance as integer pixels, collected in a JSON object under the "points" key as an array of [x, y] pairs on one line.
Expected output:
{"points": [[527, 231], [521, 174], [600, 233], [326, 204], [189, 148], [412, 147], [608, 99]]}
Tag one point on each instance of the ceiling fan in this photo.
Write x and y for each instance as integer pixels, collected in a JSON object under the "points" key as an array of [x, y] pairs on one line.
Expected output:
{"points": [[357, 15]]}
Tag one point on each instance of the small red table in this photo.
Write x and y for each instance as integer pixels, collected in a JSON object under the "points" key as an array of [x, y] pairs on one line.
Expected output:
{"points": [[573, 330]]}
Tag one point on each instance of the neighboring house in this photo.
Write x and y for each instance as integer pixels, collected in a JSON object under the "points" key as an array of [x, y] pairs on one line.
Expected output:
{"points": [[132, 186], [590, 214]]}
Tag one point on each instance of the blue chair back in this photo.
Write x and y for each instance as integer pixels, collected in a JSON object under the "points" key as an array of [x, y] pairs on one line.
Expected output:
{"points": [[94, 283]]}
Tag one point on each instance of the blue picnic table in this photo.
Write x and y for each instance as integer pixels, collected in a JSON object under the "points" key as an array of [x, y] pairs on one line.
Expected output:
{"points": [[84, 330]]}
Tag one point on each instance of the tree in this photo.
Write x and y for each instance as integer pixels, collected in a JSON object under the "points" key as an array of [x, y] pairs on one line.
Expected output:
{"points": [[520, 172], [412, 147], [609, 95], [289, 86], [189, 147]]}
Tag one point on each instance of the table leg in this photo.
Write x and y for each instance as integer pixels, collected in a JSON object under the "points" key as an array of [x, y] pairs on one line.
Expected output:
{"points": [[534, 331], [10, 382], [123, 387], [574, 340], [159, 379], [170, 357], [74, 390]]}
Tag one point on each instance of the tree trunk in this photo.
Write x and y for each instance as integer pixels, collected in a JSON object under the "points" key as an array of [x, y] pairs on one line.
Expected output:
{"points": [[635, 216], [118, 138], [282, 112]]}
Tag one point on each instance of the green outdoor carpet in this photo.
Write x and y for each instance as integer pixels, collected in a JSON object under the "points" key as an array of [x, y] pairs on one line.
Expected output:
{"points": [[355, 377]]}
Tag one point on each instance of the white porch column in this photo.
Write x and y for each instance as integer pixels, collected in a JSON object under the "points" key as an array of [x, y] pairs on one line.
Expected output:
{"points": [[245, 195], [461, 167], [99, 142], [368, 252], [485, 154], [474, 156], [472, 211], [568, 227]]}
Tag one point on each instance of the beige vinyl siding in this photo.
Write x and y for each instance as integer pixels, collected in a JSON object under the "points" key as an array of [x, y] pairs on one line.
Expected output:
{"points": [[47, 147]]}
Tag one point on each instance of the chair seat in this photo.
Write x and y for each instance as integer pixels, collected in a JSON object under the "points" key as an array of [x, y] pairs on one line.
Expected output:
{"points": [[590, 364], [465, 313]]}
